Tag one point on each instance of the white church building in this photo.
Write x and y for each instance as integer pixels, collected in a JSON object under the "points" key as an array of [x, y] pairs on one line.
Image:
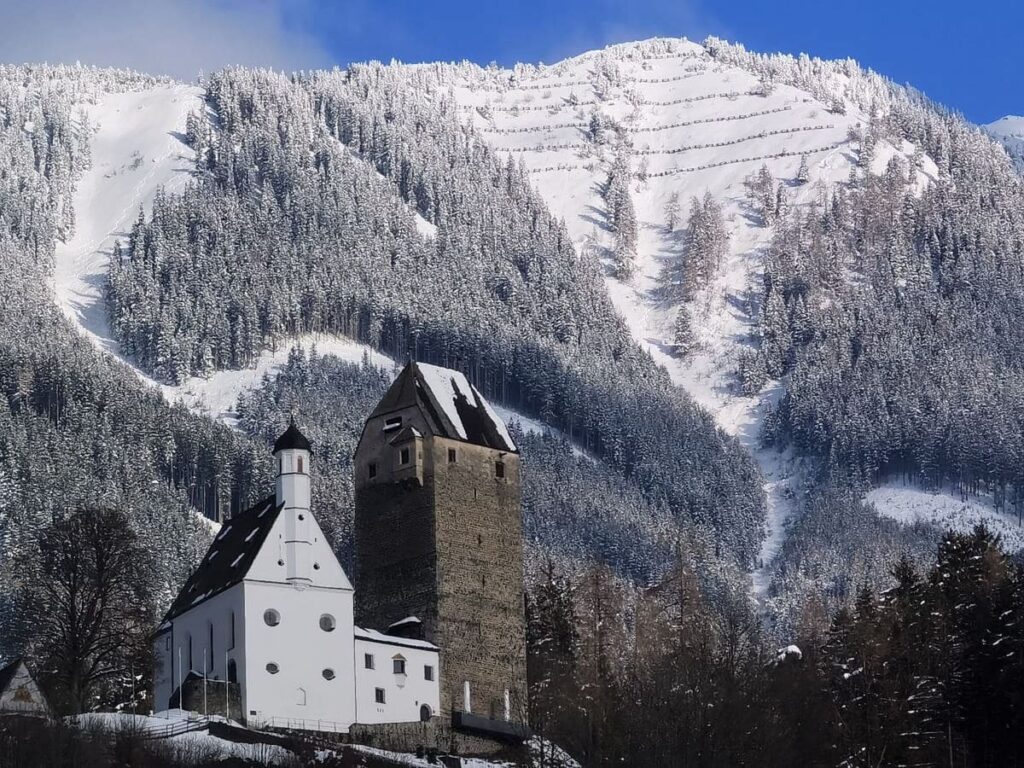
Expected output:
{"points": [[270, 609]]}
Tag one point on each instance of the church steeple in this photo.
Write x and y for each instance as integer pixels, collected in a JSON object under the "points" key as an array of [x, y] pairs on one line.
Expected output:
{"points": [[293, 453]]}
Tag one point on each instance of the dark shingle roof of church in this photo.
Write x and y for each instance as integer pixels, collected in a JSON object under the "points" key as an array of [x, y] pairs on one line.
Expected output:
{"points": [[452, 407], [228, 559], [291, 438]]}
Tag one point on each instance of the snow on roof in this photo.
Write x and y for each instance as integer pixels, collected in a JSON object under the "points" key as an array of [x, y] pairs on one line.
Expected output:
{"points": [[379, 637], [448, 387], [403, 622]]}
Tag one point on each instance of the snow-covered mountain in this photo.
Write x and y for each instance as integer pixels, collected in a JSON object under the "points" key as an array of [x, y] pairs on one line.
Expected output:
{"points": [[685, 119], [1009, 130]]}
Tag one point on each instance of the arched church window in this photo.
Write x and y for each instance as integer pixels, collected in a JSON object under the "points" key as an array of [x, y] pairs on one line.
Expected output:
{"points": [[425, 713]]}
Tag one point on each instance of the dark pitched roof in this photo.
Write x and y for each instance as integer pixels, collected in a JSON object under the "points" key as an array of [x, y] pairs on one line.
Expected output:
{"points": [[452, 406], [228, 559], [7, 673], [292, 439]]}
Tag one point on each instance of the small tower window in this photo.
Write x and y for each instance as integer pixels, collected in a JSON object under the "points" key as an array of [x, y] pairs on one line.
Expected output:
{"points": [[372, 470], [499, 469], [328, 674], [428, 672], [271, 617], [378, 695], [327, 623], [403, 456], [452, 456], [300, 464], [272, 668]]}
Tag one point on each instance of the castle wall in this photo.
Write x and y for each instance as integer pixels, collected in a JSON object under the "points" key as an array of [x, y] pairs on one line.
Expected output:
{"points": [[481, 629]]}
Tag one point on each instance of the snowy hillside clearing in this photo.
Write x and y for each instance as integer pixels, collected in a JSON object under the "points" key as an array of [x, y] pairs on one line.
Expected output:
{"points": [[695, 125], [137, 148], [947, 510], [217, 395]]}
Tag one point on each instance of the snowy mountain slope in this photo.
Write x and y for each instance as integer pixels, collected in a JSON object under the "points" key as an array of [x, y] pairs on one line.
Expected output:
{"points": [[695, 125], [137, 145], [137, 148], [1009, 130]]}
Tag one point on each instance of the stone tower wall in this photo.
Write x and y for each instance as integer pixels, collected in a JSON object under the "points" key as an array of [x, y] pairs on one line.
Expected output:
{"points": [[443, 541]]}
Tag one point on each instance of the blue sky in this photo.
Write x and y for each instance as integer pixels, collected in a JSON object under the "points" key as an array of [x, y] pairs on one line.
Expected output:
{"points": [[966, 55]]}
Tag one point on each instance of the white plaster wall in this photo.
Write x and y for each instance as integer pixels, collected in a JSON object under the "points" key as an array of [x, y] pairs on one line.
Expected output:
{"points": [[196, 622], [325, 568], [302, 650], [403, 694]]}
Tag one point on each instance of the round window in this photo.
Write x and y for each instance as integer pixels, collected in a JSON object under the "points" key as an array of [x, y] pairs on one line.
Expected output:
{"points": [[328, 674], [272, 668], [327, 623], [271, 617]]}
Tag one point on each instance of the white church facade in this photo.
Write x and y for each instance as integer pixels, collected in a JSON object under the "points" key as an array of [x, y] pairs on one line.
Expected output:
{"points": [[268, 615]]}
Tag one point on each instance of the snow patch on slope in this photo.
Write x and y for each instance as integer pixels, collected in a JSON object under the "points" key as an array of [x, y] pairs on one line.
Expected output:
{"points": [[946, 509], [217, 395]]}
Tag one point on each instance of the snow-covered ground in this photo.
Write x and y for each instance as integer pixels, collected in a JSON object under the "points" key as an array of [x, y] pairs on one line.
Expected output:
{"points": [[695, 125], [191, 743], [946, 509]]}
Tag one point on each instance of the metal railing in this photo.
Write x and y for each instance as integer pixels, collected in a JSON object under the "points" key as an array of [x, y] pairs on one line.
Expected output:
{"points": [[298, 724]]}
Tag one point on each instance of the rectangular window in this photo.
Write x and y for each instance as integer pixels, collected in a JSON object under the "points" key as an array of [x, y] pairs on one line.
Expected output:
{"points": [[378, 694], [372, 469], [399, 666], [300, 465], [403, 456], [451, 456], [499, 469], [393, 423], [232, 631], [368, 660], [428, 672]]}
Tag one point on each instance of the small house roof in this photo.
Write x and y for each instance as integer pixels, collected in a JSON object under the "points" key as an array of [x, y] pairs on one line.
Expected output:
{"points": [[8, 672], [229, 557]]}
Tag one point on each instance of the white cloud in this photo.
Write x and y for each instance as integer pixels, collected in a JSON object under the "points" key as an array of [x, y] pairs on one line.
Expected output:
{"points": [[173, 37]]}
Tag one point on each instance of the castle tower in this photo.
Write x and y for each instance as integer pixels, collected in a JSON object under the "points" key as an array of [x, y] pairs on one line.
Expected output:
{"points": [[438, 527], [293, 452]]}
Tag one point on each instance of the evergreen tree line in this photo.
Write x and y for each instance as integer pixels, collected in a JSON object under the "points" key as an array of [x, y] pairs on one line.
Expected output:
{"points": [[927, 673], [304, 219]]}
